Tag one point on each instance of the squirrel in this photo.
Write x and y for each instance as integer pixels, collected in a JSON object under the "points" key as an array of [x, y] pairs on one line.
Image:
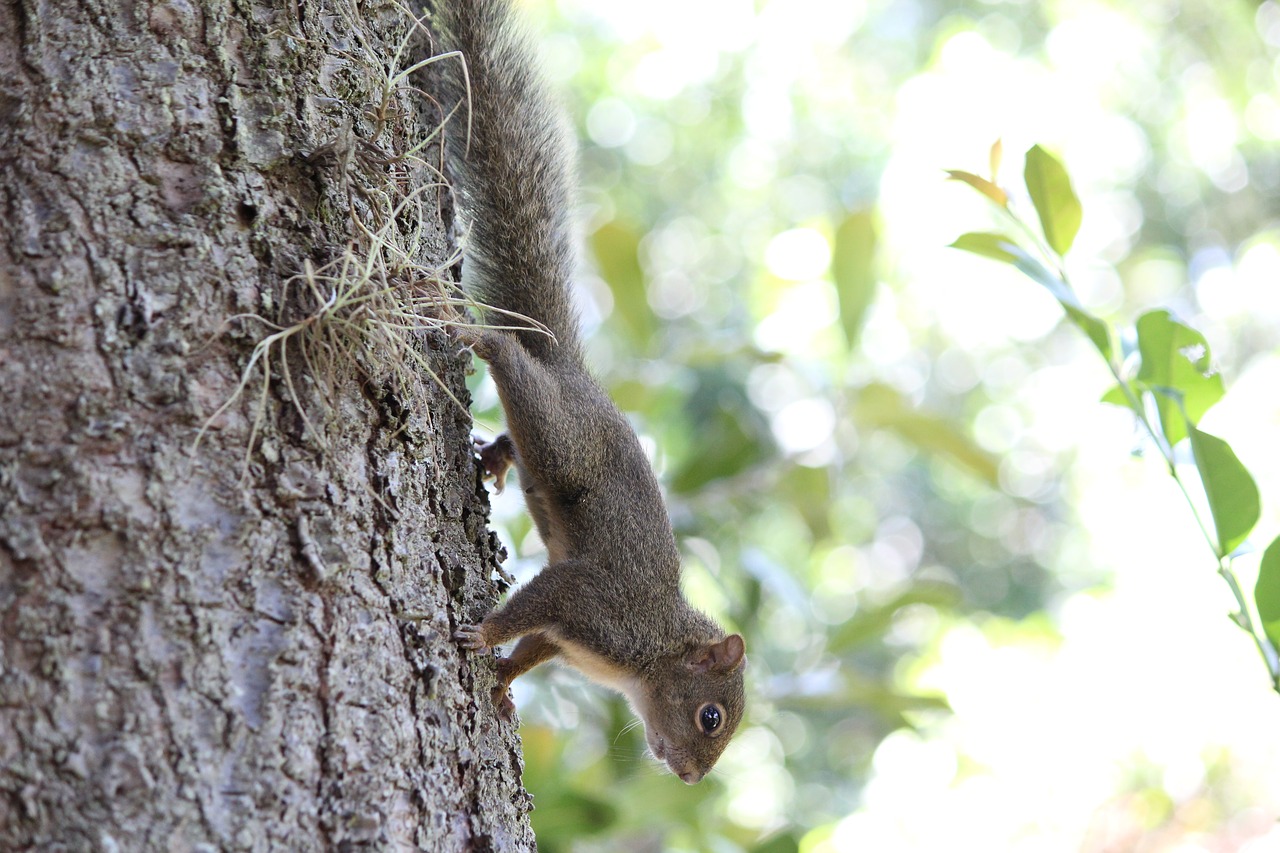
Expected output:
{"points": [[608, 601]]}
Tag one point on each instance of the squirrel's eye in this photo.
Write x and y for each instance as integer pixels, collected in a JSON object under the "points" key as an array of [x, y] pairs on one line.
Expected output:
{"points": [[709, 718]]}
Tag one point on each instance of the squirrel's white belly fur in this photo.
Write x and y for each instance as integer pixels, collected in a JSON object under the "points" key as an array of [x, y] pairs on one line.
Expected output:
{"points": [[597, 668]]}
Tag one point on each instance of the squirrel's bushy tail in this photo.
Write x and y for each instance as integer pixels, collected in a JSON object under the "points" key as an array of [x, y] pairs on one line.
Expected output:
{"points": [[511, 158]]}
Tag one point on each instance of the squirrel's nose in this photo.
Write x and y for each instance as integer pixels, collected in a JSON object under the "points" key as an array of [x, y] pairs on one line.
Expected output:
{"points": [[691, 777]]}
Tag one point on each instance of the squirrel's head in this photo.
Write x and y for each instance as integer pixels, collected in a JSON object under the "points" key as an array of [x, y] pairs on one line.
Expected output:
{"points": [[692, 705]]}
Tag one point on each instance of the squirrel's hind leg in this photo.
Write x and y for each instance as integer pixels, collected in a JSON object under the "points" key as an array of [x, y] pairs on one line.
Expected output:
{"points": [[496, 457], [532, 650]]}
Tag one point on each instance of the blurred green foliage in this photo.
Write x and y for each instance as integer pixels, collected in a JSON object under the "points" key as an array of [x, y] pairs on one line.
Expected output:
{"points": [[846, 477]]}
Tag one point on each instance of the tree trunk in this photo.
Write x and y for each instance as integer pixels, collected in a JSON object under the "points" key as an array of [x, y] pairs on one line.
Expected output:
{"points": [[242, 643]]}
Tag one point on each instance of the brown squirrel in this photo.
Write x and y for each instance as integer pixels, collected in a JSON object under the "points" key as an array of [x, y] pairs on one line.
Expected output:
{"points": [[608, 601]]}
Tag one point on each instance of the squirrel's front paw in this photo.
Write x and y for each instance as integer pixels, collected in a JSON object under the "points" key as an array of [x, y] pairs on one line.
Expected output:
{"points": [[472, 637]]}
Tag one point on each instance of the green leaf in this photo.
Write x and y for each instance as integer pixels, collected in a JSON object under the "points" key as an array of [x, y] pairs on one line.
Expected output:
{"points": [[898, 709], [1117, 397], [1232, 494], [1098, 332], [1004, 249], [808, 491], [787, 842], [871, 621], [1175, 360], [1267, 592], [853, 267], [995, 246], [1001, 248], [1056, 203], [880, 406], [617, 252], [982, 185], [727, 435]]}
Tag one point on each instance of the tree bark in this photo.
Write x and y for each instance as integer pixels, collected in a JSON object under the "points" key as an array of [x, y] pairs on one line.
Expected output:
{"points": [[199, 652]]}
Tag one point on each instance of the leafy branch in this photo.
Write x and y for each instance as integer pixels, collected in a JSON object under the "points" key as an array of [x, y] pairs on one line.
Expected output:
{"points": [[1167, 384]]}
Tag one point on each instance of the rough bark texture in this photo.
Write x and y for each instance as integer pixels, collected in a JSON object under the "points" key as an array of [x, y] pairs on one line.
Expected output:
{"points": [[189, 659]]}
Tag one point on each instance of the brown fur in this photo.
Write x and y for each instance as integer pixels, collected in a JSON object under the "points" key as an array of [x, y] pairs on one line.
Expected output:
{"points": [[608, 601]]}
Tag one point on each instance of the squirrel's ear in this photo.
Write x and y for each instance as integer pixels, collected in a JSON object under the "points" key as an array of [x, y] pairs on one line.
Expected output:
{"points": [[724, 656]]}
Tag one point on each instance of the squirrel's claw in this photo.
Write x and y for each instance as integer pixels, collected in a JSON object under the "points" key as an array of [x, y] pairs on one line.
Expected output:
{"points": [[472, 637]]}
